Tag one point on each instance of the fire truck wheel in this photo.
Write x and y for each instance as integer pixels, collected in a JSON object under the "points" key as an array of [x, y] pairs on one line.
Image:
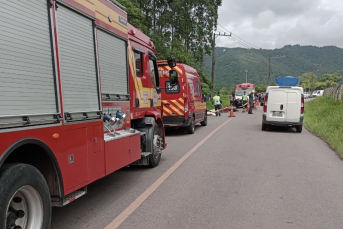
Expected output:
{"points": [[191, 128], [154, 145], [204, 122], [25, 197]]}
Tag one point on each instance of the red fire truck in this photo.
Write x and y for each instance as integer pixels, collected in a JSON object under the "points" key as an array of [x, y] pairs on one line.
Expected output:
{"points": [[239, 90], [184, 104], [79, 99]]}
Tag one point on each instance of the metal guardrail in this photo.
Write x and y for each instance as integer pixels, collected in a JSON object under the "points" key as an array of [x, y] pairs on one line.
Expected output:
{"points": [[334, 92]]}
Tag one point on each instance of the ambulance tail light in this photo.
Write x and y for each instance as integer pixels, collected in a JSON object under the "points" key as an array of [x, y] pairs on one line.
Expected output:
{"points": [[302, 104], [265, 103]]}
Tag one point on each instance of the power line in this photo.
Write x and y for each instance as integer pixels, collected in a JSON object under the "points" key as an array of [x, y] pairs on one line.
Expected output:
{"points": [[239, 41], [236, 40], [238, 37]]}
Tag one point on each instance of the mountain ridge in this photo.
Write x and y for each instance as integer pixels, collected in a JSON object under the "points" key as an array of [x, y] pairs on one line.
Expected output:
{"points": [[231, 63]]}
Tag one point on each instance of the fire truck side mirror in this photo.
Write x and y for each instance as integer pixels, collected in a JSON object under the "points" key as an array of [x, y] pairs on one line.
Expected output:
{"points": [[171, 62], [158, 90], [173, 78]]}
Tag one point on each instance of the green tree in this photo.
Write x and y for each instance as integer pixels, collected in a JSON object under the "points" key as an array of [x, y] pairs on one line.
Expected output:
{"points": [[334, 77], [329, 80], [134, 13], [224, 93], [182, 28], [260, 88], [309, 79]]}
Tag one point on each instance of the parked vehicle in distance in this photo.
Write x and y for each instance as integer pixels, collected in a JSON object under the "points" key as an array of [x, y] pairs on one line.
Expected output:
{"points": [[283, 106], [183, 104], [317, 93], [239, 91]]}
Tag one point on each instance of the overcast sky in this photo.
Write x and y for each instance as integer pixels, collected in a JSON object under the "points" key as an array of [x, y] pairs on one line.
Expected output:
{"points": [[271, 24]]}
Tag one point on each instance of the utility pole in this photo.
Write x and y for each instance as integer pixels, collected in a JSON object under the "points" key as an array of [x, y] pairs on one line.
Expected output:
{"points": [[269, 73], [246, 75], [270, 67], [215, 35]]}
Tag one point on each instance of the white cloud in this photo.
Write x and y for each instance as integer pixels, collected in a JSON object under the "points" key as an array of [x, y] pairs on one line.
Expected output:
{"points": [[273, 24]]}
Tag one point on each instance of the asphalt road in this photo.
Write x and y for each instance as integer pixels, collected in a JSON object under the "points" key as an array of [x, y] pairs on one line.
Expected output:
{"points": [[240, 177]]}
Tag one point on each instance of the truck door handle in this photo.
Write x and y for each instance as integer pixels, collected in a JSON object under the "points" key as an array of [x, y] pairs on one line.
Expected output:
{"points": [[281, 107]]}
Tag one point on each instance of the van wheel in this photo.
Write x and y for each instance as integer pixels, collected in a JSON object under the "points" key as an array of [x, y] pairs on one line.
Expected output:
{"points": [[204, 122], [154, 145], [191, 128], [299, 128], [25, 198], [264, 126]]}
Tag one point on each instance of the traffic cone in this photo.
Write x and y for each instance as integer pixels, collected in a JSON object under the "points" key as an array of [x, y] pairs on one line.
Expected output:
{"points": [[248, 107], [254, 106], [257, 103], [231, 112]]}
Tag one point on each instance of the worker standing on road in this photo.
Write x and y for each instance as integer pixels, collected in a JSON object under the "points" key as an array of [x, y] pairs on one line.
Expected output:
{"points": [[251, 101], [232, 99], [255, 97], [245, 101], [217, 103]]}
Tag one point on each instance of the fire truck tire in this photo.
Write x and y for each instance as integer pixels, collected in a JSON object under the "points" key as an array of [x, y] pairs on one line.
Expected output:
{"points": [[191, 128], [204, 122], [25, 198], [152, 134]]}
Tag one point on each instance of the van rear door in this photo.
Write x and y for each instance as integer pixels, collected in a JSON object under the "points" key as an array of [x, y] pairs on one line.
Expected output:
{"points": [[293, 105], [277, 104], [172, 97]]}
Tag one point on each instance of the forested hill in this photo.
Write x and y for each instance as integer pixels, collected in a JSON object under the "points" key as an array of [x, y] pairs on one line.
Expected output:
{"points": [[232, 62]]}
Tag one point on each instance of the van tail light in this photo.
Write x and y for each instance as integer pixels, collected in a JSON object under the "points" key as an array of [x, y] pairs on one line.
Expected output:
{"points": [[265, 103], [186, 105], [302, 104]]}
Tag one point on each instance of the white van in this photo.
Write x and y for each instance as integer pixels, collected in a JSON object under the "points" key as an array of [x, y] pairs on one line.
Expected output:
{"points": [[318, 93], [283, 106]]}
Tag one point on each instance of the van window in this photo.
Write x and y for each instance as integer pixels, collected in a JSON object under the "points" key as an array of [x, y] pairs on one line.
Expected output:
{"points": [[172, 90], [138, 61], [153, 71], [198, 89]]}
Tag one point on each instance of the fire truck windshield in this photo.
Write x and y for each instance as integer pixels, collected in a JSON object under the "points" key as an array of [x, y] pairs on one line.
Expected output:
{"points": [[239, 92]]}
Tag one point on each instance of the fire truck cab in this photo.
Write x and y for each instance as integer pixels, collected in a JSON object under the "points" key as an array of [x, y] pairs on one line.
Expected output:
{"points": [[183, 103], [239, 91], [79, 99]]}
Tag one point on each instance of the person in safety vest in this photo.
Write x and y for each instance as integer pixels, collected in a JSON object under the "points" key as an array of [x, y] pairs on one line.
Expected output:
{"points": [[245, 101], [217, 103], [251, 101]]}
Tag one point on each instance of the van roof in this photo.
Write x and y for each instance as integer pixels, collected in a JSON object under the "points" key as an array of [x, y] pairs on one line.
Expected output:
{"points": [[288, 87], [184, 67]]}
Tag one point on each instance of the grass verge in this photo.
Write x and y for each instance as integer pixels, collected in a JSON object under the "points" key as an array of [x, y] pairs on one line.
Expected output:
{"points": [[324, 118], [226, 103]]}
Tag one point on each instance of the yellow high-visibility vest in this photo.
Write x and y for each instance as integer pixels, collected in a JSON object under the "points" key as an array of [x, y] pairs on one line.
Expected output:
{"points": [[216, 100]]}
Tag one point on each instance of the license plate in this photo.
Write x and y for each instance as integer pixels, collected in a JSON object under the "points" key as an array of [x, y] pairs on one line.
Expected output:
{"points": [[277, 113]]}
